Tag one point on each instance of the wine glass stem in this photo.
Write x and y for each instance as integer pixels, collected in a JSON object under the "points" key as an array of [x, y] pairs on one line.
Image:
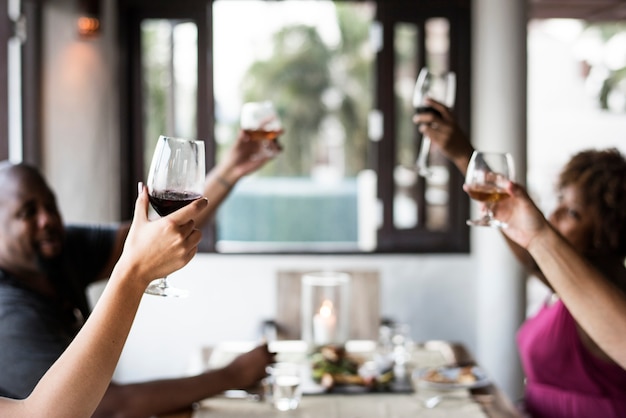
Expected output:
{"points": [[422, 158], [489, 211]]}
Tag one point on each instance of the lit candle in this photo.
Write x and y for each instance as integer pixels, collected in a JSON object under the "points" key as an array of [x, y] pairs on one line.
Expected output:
{"points": [[324, 324]]}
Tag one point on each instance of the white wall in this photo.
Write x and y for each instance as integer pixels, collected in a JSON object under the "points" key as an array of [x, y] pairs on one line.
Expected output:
{"points": [[80, 126], [499, 124], [230, 295]]}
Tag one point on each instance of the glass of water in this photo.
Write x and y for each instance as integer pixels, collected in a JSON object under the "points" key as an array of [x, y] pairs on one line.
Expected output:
{"points": [[284, 383]]}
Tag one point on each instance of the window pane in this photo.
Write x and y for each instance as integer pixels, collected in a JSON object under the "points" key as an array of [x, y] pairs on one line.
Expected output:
{"points": [[170, 76], [437, 32], [313, 61], [413, 193], [405, 204]]}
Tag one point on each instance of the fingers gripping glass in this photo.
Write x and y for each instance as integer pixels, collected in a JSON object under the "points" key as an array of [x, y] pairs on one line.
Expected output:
{"points": [[440, 87], [175, 179], [260, 121], [485, 181]]}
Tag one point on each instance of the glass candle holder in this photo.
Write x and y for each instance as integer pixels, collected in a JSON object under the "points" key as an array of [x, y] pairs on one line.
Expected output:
{"points": [[325, 311]]}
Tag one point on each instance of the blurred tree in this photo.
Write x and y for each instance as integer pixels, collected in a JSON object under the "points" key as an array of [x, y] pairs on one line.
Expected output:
{"points": [[310, 81], [612, 91], [156, 78]]}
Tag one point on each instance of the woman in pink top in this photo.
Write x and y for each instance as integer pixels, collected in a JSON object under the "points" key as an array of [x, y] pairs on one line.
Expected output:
{"points": [[574, 350]]}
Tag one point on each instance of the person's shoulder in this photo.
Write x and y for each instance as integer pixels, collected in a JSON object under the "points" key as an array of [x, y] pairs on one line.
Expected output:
{"points": [[10, 288], [91, 232], [20, 310]]}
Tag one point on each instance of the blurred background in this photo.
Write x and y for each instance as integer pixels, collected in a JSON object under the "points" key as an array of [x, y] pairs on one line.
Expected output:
{"points": [[540, 79]]}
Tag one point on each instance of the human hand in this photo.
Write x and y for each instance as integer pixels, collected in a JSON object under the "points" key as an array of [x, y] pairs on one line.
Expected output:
{"points": [[157, 248], [523, 218], [245, 155], [445, 133], [249, 368]]}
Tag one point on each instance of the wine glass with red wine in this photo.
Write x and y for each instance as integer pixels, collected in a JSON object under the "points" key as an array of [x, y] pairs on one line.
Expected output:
{"points": [[175, 179], [261, 122], [485, 181], [440, 87]]}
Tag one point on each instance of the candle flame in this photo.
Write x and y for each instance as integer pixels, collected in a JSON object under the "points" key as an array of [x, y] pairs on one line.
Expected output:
{"points": [[326, 309]]}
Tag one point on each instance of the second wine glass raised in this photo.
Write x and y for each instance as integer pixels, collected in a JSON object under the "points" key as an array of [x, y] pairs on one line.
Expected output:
{"points": [[485, 181], [261, 122], [440, 87]]}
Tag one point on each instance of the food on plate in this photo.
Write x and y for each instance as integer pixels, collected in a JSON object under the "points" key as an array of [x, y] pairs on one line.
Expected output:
{"points": [[458, 375], [333, 366]]}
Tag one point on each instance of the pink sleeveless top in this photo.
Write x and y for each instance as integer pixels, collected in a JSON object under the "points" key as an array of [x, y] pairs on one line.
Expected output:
{"points": [[563, 379]]}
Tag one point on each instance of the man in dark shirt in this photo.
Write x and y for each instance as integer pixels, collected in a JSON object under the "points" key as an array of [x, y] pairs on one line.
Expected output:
{"points": [[35, 328], [45, 269]]}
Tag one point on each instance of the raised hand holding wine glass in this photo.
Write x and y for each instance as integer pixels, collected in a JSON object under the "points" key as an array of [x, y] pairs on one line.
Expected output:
{"points": [[261, 122], [176, 178], [440, 87], [486, 180]]}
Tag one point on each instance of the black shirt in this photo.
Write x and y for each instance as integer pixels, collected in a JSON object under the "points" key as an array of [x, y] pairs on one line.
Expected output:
{"points": [[34, 329]]}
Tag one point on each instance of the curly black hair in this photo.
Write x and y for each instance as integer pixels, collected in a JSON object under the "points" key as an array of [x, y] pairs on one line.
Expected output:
{"points": [[600, 175]]}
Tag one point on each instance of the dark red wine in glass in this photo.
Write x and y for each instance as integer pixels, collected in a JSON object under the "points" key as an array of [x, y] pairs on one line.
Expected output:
{"points": [[427, 109], [170, 201]]}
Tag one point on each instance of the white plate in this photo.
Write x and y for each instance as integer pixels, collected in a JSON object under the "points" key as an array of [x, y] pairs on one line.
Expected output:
{"points": [[451, 374]]}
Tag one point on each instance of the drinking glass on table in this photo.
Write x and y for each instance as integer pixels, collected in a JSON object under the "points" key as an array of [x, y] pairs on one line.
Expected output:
{"points": [[284, 385], [261, 122], [175, 179], [485, 181], [437, 86]]}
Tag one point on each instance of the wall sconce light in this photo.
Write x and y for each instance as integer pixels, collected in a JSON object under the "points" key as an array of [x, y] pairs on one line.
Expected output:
{"points": [[88, 18]]}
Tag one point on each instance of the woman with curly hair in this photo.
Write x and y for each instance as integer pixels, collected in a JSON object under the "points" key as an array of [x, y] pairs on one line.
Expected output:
{"points": [[573, 350]]}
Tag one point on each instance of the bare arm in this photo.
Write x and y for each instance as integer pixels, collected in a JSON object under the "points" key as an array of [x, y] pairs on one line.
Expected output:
{"points": [[78, 379], [446, 134], [170, 395], [597, 305], [76, 382], [241, 159]]}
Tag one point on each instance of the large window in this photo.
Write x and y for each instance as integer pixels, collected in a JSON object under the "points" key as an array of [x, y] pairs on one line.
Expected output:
{"points": [[314, 60], [20, 86], [341, 75], [5, 36]]}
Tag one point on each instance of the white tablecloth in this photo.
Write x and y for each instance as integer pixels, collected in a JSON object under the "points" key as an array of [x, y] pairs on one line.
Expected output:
{"points": [[346, 406]]}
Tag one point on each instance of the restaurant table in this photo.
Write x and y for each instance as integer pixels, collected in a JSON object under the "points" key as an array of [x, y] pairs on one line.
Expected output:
{"points": [[486, 401]]}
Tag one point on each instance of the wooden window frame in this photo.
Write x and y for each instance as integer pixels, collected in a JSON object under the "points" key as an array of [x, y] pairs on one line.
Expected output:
{"points": [[31, 80], [454, 239], [420, 239]]}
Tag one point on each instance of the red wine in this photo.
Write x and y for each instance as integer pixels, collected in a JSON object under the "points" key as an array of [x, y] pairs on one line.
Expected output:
{"points": [[427, 109], [169, 201]]}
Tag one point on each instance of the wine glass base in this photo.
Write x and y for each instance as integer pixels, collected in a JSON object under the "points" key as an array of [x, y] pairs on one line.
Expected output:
{"points": [[424, 172], [490, 222], [158, 289]]}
